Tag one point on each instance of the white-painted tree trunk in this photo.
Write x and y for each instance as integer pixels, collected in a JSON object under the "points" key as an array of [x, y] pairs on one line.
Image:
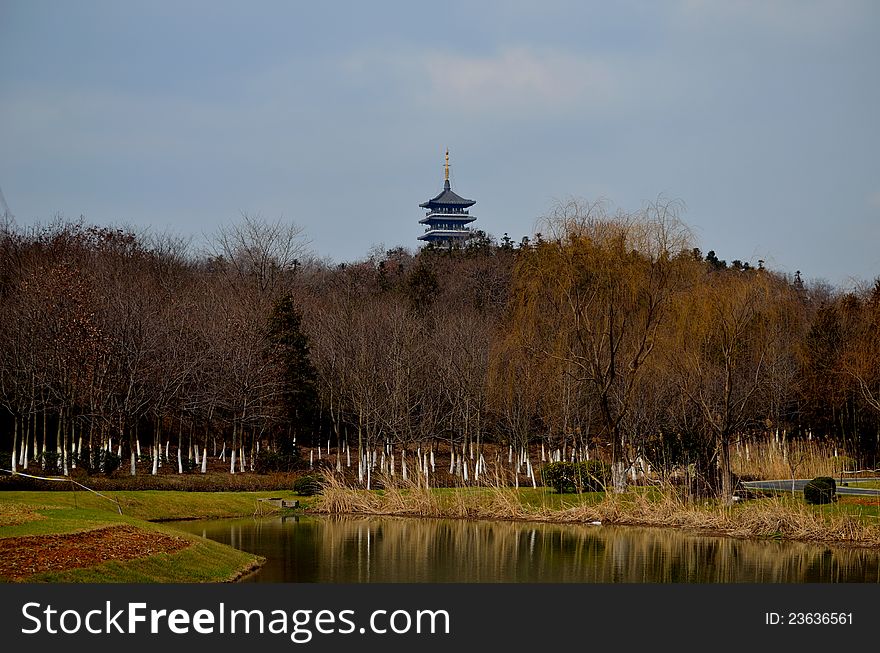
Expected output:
{"points": [[618, 477], [205, 459], [232, 462]]}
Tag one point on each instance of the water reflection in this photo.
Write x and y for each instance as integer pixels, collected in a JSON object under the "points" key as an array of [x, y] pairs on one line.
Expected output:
{"points": [[386, 550]]}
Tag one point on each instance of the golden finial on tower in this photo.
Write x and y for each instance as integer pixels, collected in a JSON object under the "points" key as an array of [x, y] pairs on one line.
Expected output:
{"points": [[446, 169]]}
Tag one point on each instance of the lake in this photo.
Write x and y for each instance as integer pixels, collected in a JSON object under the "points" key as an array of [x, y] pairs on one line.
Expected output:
{"points": [[354, 549]]}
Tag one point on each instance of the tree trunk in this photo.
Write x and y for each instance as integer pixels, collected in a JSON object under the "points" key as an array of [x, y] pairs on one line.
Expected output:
{"points": [[180, 447], [15, 444], [157, 447], [232, 457], [726, 477]]}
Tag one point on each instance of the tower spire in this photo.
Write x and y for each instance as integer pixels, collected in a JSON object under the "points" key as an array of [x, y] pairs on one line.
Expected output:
{"points": [[446, 167]]}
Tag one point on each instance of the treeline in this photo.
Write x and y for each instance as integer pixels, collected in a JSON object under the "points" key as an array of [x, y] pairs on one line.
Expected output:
{"points": [[605, 336]]}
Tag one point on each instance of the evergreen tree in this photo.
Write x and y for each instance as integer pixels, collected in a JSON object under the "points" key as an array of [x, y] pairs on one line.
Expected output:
{"points": [[290, 350]]}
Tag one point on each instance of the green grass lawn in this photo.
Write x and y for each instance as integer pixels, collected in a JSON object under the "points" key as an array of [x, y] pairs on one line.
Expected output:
{"points": [[540, 497], [49, 513], [867, 484], [156, 504]]}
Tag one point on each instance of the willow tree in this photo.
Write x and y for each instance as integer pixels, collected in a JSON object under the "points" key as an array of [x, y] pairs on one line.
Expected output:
{"points": [[731, 329], [592, 298], [861, 359]]}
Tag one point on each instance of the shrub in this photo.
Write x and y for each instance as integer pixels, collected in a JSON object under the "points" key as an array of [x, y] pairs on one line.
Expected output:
{"points": [[821, 489], [50, 461], [283, 459], [585, 476], [308, 485], [188, 464], [99, 460]]}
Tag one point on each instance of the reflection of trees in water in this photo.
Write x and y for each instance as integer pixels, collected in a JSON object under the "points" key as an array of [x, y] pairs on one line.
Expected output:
{"points": [[385, 549], [458, 550]]}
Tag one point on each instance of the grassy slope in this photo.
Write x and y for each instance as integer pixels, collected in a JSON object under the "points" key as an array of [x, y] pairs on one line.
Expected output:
{"points": [[203, 561]]}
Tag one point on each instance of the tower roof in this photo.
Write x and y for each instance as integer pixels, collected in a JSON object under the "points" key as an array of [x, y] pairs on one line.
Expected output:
{"points": [[447, 198]]}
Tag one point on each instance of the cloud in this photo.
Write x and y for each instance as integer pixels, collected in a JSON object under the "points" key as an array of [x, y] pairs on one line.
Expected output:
{"points": [[519, 80], [513, 82]]}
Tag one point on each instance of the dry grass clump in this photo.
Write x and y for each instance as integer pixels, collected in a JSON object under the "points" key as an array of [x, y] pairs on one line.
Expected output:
{"points": [[406, 498], [772, 459], [777, 517]]}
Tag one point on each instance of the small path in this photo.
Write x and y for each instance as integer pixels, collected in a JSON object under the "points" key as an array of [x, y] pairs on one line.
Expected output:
{"points": [[799, 483]]}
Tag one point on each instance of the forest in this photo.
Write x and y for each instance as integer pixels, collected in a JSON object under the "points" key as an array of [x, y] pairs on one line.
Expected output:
{"points": [[607, 335]]}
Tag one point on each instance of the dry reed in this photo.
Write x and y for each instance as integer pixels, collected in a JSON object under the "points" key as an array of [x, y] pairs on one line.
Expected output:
{"points": [[769, 458], [776, 517]]}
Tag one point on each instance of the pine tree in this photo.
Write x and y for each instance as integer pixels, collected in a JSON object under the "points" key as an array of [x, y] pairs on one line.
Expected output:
{"points": [[290, 350]]}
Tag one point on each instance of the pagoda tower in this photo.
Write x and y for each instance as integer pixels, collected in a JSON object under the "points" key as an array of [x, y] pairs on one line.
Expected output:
{"points": [[447, 219]]}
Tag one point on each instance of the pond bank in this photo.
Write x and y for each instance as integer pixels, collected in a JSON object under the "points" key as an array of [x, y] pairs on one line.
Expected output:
{"points": [[776, 517]]}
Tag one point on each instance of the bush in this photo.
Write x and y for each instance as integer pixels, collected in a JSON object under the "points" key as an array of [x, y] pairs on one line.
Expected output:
{"points": [[50, 461], [188, 464], [308, 485], [585, 476], [99, 460], [283, 459], [821, 489]]}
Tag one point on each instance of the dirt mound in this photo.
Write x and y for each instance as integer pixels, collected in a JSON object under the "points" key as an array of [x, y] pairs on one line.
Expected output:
{"points": [[21, 557]]}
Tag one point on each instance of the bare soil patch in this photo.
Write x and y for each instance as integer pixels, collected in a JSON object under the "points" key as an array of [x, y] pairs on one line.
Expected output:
{"points": [[21, 557]]}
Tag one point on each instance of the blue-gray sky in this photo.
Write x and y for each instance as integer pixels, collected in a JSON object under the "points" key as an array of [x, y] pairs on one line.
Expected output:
{"points": [[762, 117]]}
